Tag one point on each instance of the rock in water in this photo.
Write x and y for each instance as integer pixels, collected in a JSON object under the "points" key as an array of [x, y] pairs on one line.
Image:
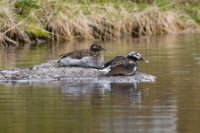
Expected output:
{"points": [[51, 71]]}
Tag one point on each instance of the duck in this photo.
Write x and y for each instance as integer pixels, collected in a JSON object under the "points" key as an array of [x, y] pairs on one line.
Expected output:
{"points": [[89, 58], [123, 66]]}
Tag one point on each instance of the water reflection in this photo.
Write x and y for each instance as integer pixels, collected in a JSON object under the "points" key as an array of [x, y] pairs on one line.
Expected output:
{"points": [[170, 105], [197, 58], [99, 88], [92, 106], [95, 91], [84, 88]]}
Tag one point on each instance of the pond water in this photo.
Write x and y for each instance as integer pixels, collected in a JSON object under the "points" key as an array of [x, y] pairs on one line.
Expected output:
{"points": [[170, 105]]}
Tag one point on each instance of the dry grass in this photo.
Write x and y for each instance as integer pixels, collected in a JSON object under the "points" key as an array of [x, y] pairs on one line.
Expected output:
{"points": [[11, 32], [58, 20]]}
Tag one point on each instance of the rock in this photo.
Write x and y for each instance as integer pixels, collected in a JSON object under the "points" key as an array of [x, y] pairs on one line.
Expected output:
{"points": [[51, 71]]}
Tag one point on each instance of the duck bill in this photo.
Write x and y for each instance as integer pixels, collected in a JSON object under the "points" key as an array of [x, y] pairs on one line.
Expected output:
{"points": [[103, 49], [145, 60]]}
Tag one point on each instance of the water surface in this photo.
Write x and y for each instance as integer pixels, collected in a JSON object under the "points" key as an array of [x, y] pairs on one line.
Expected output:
{"points": [[170, 105]]}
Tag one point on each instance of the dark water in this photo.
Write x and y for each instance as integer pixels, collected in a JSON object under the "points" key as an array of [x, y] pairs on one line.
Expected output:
{"points": [[170, 105]]}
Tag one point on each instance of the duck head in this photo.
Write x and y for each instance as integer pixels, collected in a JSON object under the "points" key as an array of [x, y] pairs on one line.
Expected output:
{"points": [[96, 47], [135, 56]]}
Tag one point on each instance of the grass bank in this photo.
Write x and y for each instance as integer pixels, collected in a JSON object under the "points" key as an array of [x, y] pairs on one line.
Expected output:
{"points": [[32, 21]]}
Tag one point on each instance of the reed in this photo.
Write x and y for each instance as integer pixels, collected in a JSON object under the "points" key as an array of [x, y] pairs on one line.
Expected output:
{"points": [[57, 20]]}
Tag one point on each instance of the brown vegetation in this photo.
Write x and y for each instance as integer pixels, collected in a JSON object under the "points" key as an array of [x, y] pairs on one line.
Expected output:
{"points": [[64, 21]]}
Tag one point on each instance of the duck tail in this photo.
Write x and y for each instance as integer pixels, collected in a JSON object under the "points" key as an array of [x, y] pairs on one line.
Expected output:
{"points": [[65, 55], [106, 70]]}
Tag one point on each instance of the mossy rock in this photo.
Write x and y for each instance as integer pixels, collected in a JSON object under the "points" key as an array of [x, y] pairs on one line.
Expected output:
{"points": [[37, 33]]}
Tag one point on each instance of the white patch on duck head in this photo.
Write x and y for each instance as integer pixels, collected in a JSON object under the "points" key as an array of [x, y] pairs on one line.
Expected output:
{"points": [[94, 46], [137, 56]]}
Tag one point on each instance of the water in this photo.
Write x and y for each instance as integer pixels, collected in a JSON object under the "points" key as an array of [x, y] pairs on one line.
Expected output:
{"points": [[170, 105]]}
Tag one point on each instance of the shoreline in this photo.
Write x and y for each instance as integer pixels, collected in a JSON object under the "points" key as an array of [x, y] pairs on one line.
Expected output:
{"points": [[51, 21]]}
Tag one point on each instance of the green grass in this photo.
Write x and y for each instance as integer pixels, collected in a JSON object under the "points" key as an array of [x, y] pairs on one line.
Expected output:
{"points": [[193, 11], [191, 7]]}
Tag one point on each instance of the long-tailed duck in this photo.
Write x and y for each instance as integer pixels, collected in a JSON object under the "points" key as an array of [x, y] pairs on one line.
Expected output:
{"points": [[90, 58], [124, 66]]}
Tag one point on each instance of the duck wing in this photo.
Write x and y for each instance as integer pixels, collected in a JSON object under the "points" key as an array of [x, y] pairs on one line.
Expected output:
{"points": [[65, 55], [116, 61], [123, 69], [78, 54]]}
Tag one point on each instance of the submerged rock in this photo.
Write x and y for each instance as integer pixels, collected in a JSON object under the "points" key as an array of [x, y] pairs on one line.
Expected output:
{"points": [[51, 71]]}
